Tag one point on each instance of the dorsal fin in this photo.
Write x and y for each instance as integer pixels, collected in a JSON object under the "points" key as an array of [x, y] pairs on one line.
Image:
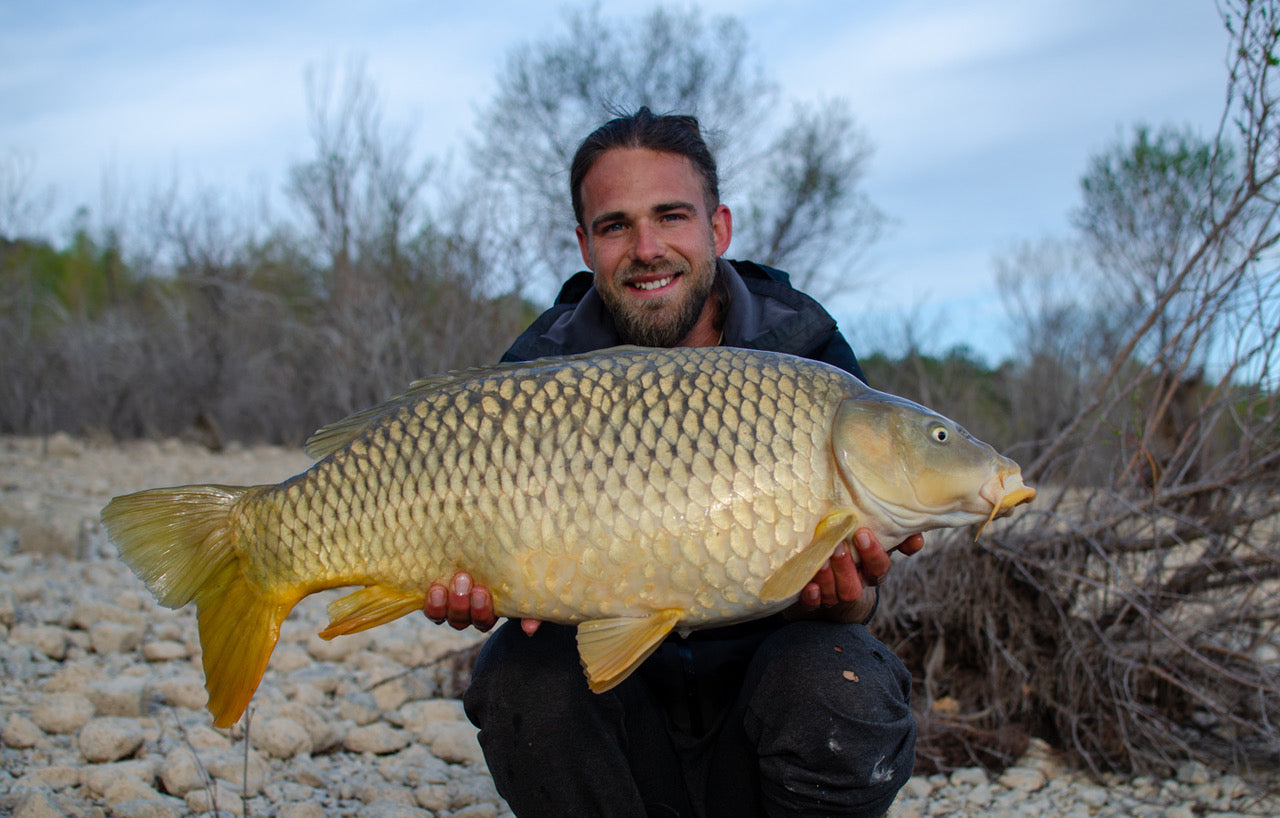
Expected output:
{"points": [[330, 438]]}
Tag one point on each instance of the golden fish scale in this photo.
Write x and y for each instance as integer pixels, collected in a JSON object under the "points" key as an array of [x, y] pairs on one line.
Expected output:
{"points": [[613, 486]]}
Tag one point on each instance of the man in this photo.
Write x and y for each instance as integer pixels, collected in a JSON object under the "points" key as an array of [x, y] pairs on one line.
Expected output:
{"points": [[802, 713]]}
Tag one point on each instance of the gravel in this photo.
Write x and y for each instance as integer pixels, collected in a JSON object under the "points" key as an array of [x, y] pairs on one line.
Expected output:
{"points": [[102, 697]]}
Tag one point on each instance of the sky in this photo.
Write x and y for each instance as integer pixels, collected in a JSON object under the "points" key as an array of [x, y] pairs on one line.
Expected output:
{"points": [[983, 113]]}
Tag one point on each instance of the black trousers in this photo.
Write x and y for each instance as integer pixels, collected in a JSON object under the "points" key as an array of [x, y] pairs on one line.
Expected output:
{"points": [[765, 718]]}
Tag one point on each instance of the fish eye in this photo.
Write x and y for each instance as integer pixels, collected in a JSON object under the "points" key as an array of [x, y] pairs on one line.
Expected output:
{"points": [[939, 433]]}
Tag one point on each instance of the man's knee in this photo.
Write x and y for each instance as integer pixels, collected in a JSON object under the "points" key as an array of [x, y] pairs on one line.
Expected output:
{"points": [[830, 716]]}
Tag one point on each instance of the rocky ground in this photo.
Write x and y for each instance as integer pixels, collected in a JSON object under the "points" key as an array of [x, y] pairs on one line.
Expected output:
{"points": [[102, 697]]}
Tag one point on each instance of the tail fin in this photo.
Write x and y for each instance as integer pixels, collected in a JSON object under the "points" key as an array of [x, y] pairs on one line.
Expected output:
{"points": [[182, 544]]}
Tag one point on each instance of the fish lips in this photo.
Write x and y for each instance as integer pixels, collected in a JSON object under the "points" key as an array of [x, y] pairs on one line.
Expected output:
{"points": [[1005, 493]]}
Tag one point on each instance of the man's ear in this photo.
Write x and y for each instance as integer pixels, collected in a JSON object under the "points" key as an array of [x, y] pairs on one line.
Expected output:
{"points": [[721, 228], [584, 244]]}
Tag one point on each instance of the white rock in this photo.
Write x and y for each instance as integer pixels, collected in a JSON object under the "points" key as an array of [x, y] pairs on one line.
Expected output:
{"points": [[1193, 772], [36, 804], [119, 696], [186, 692], [49, 640], [359, 706], [335, 650], [114, 637], [435, 797], [281, 737], [164, 650], [61, 713], [388, 808], [8, 613], [109, 738], [968, 777], [158, 807], [180, 773], [20, 732], [223, 797], [299, 810], [236, 766], [128, 789], [379, 738], [98, 778], [456, 742], [1027, 779]]}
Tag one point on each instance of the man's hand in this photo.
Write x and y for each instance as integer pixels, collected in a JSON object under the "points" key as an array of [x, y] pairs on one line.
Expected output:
{"points": [[464, 604], [836, 591]]}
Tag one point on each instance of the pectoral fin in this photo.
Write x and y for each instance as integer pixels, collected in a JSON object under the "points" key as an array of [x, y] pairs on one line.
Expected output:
{"points": [[370, 607], [800, 568], [612, 648]]}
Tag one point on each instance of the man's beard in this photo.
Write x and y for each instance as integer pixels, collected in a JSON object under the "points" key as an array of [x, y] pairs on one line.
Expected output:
{"points": [[655, 324]]}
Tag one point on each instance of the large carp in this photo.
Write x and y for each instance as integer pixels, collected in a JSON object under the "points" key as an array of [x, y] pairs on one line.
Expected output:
{"points": [[630, 491]]}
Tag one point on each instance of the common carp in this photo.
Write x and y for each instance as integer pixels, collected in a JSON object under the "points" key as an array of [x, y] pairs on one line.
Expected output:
{"points": [[629, 491]]}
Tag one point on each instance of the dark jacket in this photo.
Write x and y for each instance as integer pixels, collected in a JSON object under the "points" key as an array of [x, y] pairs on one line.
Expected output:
{"points": [[765, 312], [695, 678]]}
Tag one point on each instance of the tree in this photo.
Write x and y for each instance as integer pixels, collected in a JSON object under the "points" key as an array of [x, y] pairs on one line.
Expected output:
{"points": [[1130, 614], [362, 190], [803, 183]]}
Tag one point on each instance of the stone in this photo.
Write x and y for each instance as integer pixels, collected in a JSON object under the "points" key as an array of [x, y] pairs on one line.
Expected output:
{"points": [[180, 773], [1193, 772], [968, 777], [109, 738], [221, 796], [8, 612], [128, 789], [49, 640], [281, 737], [379, 738], [158, 807], [455, 742], [62, 713], [98, 778], [36, 804], [164, 650], [186, 692], [335, 650], [236, 766], [114, 637], [359, 706], [435, 797], [1027, 779], [119, 696], [300, 810], [20, 732], [388, 808]]}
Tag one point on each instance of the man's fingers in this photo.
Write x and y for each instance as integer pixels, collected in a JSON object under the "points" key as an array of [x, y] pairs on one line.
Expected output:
{"points": [[436, 607], [872, 556], [847, 583]]}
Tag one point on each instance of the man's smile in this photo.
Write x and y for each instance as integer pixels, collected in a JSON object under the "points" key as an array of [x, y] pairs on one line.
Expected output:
{"points": [[652, 284]]}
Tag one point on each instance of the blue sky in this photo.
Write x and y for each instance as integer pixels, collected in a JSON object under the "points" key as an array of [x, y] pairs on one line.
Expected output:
{"points": [[983, 113]]}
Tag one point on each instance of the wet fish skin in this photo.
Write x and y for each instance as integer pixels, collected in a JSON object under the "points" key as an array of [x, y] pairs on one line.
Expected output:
{"points": [[628, 491]]}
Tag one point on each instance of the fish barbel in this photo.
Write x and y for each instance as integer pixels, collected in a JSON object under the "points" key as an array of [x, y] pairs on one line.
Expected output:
{"points": [[629, 491]]}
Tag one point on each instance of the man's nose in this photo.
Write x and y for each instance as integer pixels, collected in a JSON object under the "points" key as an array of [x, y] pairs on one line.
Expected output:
{"points": [[648, 246]]}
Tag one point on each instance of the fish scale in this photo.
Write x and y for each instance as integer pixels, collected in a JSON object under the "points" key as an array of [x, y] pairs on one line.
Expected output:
{"points": [[630, 491]]}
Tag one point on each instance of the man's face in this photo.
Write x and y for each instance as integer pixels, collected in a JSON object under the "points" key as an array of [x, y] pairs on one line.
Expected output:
{"points": [[652, 245]]}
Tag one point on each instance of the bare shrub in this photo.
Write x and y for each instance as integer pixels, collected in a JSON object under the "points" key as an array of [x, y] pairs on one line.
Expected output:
{"points": [[1130, 615]]}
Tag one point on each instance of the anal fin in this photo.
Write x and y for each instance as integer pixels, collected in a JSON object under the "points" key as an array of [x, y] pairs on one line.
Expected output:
{"points": [[612, 648], [800, 568], [370, 607]]}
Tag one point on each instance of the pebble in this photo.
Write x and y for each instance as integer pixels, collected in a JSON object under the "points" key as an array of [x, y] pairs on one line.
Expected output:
{"points": [[102, 699]]}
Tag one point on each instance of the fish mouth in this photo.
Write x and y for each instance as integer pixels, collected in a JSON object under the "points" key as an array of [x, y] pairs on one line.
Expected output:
{"points": [[1009, 492]]}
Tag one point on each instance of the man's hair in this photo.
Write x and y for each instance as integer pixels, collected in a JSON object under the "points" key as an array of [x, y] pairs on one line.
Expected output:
{"points": [[667, 133]]}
